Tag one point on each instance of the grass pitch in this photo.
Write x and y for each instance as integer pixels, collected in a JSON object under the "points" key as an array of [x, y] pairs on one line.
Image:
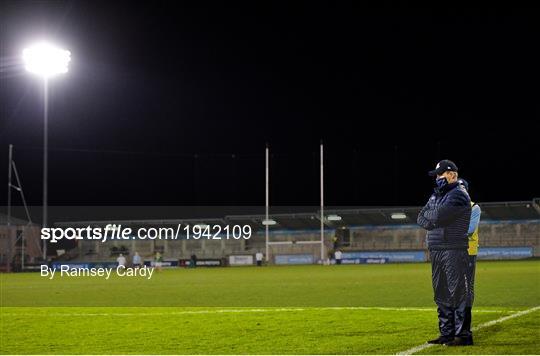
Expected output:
{"points": [[248, 310]]}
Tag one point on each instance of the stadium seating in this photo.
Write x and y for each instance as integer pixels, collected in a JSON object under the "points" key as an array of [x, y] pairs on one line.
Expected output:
{"points": [[369, 229]]}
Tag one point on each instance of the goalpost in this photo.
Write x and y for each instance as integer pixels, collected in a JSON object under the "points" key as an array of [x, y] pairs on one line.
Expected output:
{"points": [[12, 237], [267, 222], [307, 248]]}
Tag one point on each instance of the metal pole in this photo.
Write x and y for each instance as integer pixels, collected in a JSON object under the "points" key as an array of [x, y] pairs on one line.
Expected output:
{"points": [[45, 158], [9, 209], [267, 200], [322, 203], [22, 251], [20, 189], [9, 187], [395, 175]]}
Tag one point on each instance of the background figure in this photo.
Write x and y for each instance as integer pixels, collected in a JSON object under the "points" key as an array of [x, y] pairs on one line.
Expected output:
{"points": [[137, 261], [259, 257], [158, 261], [338, 256], [121, 260], [334, 242], [193, 261], [473, 236]]}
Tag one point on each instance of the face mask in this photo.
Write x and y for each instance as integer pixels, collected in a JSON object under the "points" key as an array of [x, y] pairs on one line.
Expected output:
{"points": [[441, 182]]}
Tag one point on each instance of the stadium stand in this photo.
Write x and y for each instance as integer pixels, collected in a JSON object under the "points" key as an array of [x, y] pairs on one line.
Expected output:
{"points": [[506, 224], [11, 248]]}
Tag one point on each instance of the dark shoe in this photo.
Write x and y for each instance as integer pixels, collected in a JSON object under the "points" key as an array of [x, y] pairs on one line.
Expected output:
{"points": [[441, 340], [460, 341]]}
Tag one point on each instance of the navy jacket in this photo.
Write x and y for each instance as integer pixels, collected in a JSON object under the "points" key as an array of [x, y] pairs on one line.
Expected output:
{"points": [[446, 216]]}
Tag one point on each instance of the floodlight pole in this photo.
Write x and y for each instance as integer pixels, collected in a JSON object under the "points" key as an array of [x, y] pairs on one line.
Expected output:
{"points": [[9, 208], [267, 200], [322, 202], [45, 157], [9, 187], [46, 60]]}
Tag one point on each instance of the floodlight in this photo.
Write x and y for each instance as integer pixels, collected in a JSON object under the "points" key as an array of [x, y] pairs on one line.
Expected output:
{"points": [[46, 60], [269, 222], [398, 216], [334, 217]]}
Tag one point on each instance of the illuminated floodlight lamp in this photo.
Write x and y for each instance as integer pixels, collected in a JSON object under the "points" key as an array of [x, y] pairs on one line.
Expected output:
{"points": [[269, 222], [202, 225], [46, 60], [334, 217], [398, 216]]}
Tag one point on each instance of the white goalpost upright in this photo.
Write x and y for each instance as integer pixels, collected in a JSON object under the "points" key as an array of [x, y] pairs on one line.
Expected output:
{"points": [[267, 204], [13, 169], [322, 202]]}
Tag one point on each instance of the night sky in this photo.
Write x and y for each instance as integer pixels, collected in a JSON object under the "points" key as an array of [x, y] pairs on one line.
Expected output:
{"points": [[171, 103]]}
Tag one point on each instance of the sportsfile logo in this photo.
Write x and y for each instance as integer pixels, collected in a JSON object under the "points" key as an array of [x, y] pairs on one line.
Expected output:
{"points": [[110, 232], [117, 232]]}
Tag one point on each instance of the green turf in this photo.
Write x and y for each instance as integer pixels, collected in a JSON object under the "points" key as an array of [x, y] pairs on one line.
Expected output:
{"points": [[283, 310]]}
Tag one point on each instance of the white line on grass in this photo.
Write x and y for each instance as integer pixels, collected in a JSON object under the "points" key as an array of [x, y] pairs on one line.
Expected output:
{"points": [[250, 310], [481, 326]]}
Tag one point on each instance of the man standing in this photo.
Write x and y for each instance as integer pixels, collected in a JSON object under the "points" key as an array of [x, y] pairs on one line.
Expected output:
{"points": [[137, 261], [472, 233], [158, 261], [121, 260], [446, 217], [259, 258], [193, 261], [338, 256]]}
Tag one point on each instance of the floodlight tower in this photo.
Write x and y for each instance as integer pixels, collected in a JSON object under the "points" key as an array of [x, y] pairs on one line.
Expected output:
{"points": [[45, 60]]}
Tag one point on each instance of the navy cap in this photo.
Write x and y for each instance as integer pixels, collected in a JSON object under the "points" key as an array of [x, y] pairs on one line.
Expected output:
{"points": [[464, 183], [443, 166]]}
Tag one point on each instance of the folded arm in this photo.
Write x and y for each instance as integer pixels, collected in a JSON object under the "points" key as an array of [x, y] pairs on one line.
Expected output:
{"points": [[422, 220], [449, 211]]}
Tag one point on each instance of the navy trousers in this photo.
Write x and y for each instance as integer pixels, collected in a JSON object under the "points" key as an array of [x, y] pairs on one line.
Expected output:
{"points": [[452, 291]]}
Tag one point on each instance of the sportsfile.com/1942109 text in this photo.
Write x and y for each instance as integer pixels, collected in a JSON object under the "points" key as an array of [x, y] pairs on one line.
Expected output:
{"points": [[117, 232]]}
